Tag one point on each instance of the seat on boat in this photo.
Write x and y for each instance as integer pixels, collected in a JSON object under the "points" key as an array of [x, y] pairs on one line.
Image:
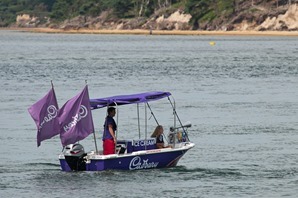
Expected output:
{"points": [[120, 149]]}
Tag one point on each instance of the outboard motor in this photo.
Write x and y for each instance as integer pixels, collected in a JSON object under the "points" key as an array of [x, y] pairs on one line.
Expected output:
{"points": [[75, 157]]}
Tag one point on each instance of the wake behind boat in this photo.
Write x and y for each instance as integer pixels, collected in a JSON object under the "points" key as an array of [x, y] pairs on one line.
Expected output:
{"points": [[130, 154]]}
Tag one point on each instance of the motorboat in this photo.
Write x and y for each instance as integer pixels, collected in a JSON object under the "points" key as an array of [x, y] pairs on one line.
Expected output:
{"points": [[132, 153]]}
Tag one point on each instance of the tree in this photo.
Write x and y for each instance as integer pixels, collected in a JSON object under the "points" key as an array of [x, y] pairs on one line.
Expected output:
{"points": [[61, 10], [197, 9], [48, 3]]}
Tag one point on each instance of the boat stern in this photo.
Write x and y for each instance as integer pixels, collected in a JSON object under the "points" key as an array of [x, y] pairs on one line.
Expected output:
{"points": [[63, 163]]}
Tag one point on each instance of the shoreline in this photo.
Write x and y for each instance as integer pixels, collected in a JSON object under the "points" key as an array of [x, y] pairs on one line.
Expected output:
{"points": [[157, 32]]}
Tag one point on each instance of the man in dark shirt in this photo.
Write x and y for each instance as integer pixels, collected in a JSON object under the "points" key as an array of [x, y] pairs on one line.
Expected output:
{"points": [[109, 134]]}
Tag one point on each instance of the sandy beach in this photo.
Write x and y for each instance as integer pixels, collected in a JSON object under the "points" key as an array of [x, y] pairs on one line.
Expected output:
{"points": [[157, 32]]}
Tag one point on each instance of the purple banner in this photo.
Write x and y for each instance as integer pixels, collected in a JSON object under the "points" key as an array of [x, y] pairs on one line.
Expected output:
{"points": [[44, 113], [75, 119]]}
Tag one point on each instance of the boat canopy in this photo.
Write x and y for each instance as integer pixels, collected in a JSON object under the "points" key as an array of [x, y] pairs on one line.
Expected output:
{"points": [[127, 99]]}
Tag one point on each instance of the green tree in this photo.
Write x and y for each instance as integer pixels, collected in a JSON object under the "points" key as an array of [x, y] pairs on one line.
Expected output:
{"points": [[197, 9], [121, 8], [90, 7], [61, 10]]}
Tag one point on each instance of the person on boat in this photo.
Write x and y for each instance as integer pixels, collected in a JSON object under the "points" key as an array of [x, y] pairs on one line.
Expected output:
{"points": [[158, 134], [109, 133]]}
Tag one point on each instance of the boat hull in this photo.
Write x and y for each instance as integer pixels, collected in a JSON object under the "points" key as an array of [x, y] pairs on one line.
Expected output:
{"points": [[157, 158]]}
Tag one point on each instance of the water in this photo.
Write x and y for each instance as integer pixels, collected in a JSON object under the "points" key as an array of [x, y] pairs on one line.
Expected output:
{"points": [[240, 95]]}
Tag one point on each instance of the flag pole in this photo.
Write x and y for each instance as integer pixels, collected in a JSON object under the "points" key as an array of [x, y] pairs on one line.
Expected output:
{"points": [[93, 128], [57, 104]]}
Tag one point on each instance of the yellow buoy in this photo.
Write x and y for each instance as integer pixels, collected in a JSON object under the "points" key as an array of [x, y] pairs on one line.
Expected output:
{"points": [[212, 43]]}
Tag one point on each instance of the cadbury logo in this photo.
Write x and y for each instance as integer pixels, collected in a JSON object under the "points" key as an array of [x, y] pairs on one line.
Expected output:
{"points": [[82, 114], [137, 163], [52, 113]]}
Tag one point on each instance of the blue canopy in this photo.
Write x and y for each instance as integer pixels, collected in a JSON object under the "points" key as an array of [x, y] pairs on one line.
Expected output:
{"points": [[127, 99]]}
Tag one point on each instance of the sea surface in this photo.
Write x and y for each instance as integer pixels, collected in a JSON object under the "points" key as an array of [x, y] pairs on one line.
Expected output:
{"points": [[241, 96]]}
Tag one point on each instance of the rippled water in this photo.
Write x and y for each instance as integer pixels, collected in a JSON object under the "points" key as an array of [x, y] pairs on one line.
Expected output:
{"points": [[241, 96]]}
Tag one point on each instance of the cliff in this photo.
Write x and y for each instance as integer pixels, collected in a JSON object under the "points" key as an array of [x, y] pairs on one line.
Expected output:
{"points": [[245, 16]]}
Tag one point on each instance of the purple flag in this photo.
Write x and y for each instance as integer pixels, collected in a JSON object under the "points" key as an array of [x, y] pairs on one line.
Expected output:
{"points": [[75, 119], [44, 112]]}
